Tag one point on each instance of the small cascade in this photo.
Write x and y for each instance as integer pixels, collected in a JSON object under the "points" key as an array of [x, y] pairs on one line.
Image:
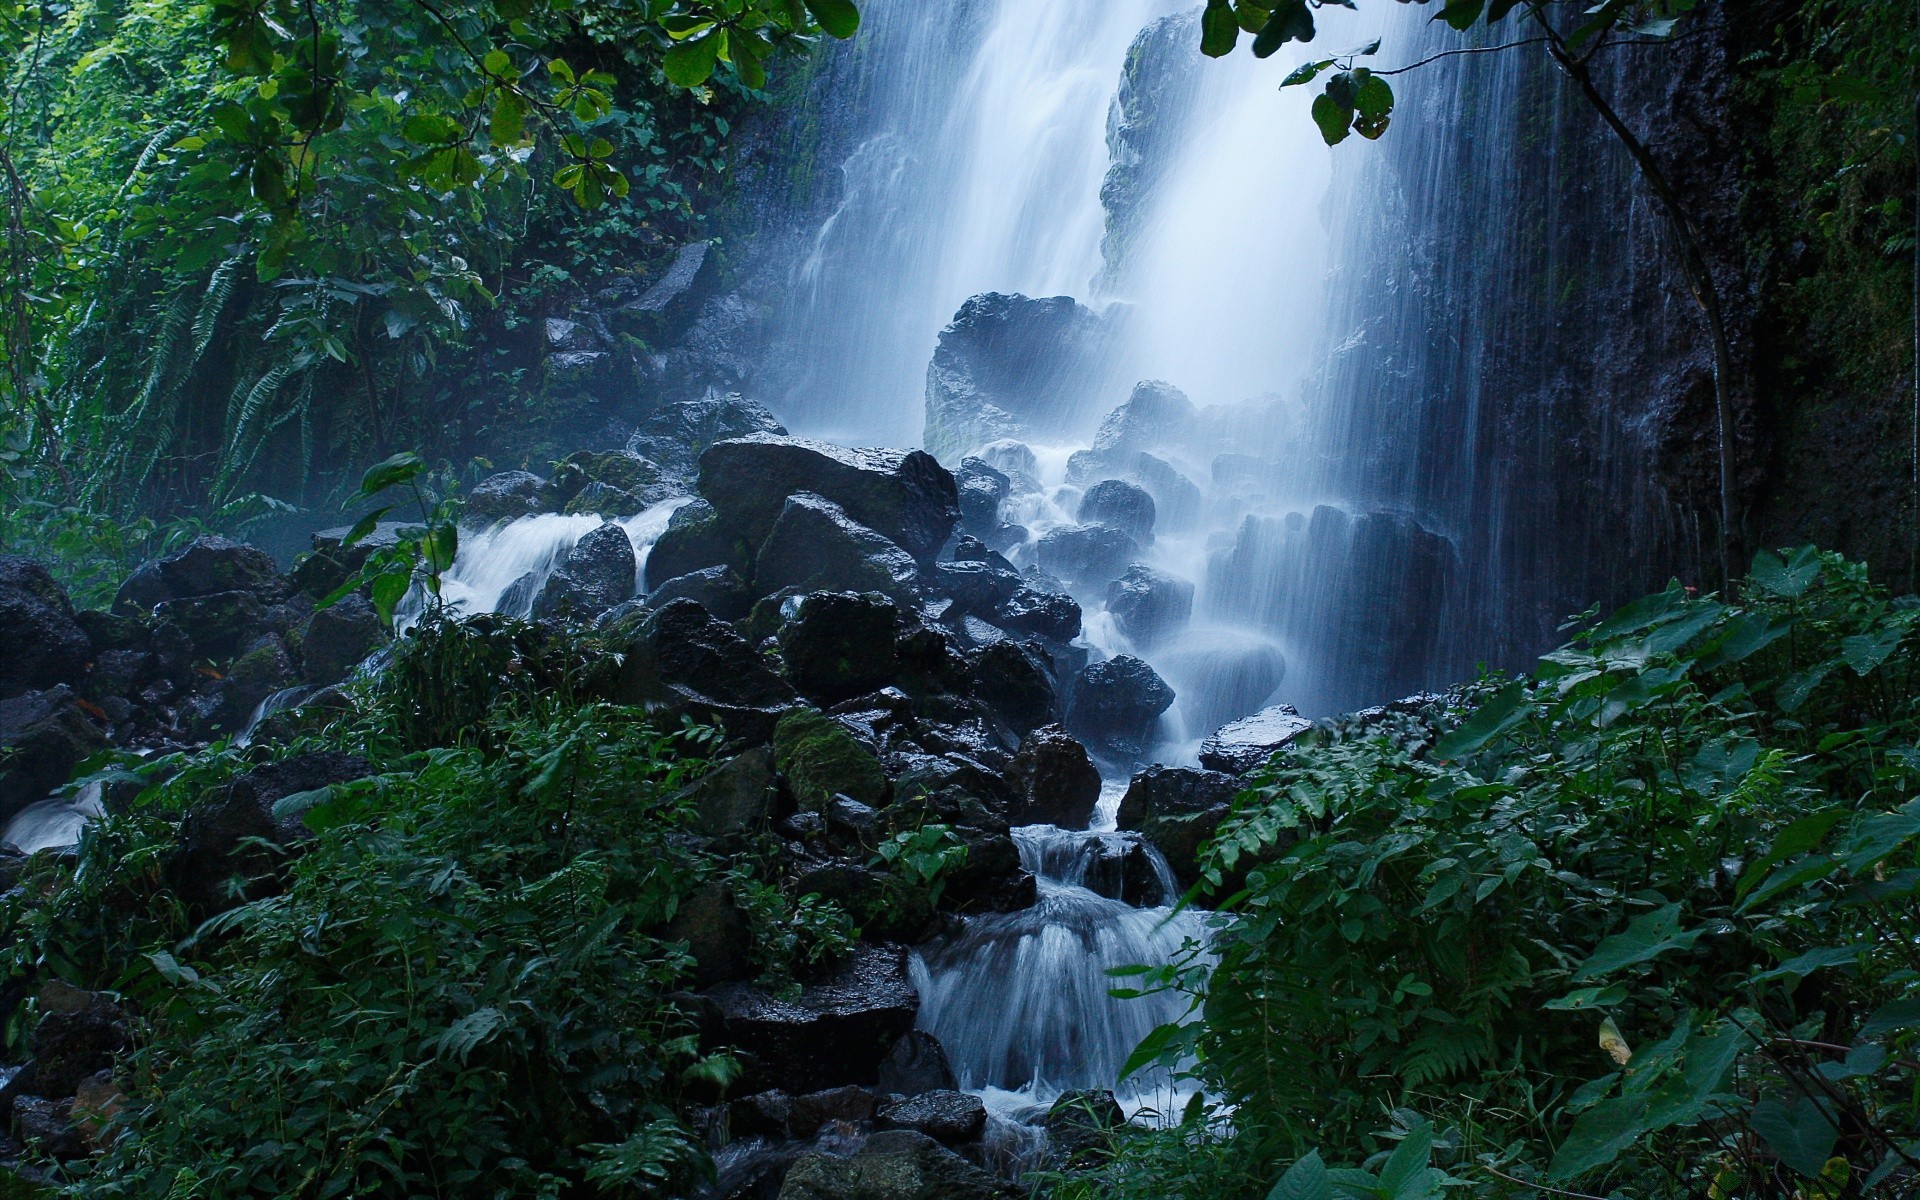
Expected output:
{"points": [[502, 567], [54, 823], [1021, 1001]]}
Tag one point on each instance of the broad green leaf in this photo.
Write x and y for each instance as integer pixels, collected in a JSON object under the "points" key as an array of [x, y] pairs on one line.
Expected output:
{"points": [[1801, 1133], [1794, 690], [1589, 998], [1881, 835], [365, 526], [1639, 614], [1801, 871], [1306, 1179], [690, 63], [1901, 1014], [1646, 936], [1405, 1169], [1499, 713], [1866, 651], [840, 18], [1789, 577], [1334, 121], [1599, 1135], [1797, 838], [1802, 965], [1292, 21], [388, 590], [401, 468], [430, 129], [1306, 72], [1461, 14], [1219, 29], [469, 1033]]}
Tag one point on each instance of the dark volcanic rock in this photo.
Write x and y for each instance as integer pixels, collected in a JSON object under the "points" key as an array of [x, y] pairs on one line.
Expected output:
{"points": [[1045, 613], [1087, 555], [906, 496], [735, 796], [1016, 682], [675, 435], [596, 574], [1176, 498], [822, 760], [143, 589], [897, 1164], [1120, 505], [841, 644], [687, 646], [695, 539], [339, 637], [43, 736], [1114, 705], [506, 495], [211, 564], [218, 862], [716, 935], [815, 545], [983, 488], [44, 644], [719, 590], [806, 1114], [1148, 605], [1058, 783], [1239, 746], [950, 1117], [218, 624], [73, 1040], [917, 1063], [1178, 809], [1080, 1124], [1010, 366], [837, 1032]]}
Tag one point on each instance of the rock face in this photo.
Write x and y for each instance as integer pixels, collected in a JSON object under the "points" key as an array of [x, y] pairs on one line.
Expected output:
{"points": [[1010, 366], [695, 539], [822, 760], [839, 645], [899, 1164], [676, 434], [1016, 681], [1080, 1124], [1058, 783], [596, 574], [44, 645], [736, 796], [917, 1063], [837, 1032], [1154, 415], [719, 590], [1177, 500], [816, 545], [43, 736], [1178, 809], [1115, 704], [1120, 505], [211, 564], [1087, 555], [950, 1117], [905, 496], [338, 637], [506, 495], [684, 646], [1149, 606], [1239, 746]]}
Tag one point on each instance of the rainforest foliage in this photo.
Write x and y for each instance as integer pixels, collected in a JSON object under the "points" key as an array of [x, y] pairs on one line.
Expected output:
{"points": [[1642, 923]]}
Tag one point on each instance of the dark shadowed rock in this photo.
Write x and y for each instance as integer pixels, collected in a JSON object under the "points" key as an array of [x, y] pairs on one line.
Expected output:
{"points": [[1120, 505], [217, 624], [1080, 1125], [601, 499], [1229, 675], [676, 434], [211, 564], [506, 495], [906, 496], [1178, 809], [719, 590], [735, 796], [684, 645], [265, 668], [43, 736], [1016, 682], [815, 545], [1043, 612], [695, 539], [841, 644], [917, 1063], [1115, 704], [1149, 606], [896, 1164], [596, 574], [808, 1113], [983, 488], [1058, 783], [1010, 366], [43, 643], [1086, 555], [821, 760], [1239, 746], [950, 1117], [218, 863], [76, 1038], [838, 1030], [1119, 867], [338, 637], [716, 935], [145, 588]]}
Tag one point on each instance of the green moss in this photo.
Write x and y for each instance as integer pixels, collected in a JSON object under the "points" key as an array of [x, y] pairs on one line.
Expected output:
{"points": [[820, 760]]}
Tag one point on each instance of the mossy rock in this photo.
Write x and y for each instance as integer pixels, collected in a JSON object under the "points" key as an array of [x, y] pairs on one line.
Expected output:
{"points": [[820, 760]]}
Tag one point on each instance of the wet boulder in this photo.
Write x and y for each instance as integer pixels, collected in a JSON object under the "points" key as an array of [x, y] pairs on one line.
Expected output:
{"points": [[1114, 705], [952, 1118], [1120, 505], [1040, 611], [1177, 500], [1086, 555], [43, 736], [1155, 414], [982, 488], [839, 645], [676, 434], [217, 624], [734, 797], [836, 1032], [905, 496], [719, 590], [145, 588], [917, 1063], [596, 574], [1239, 746], [896, 1164], [1224, 675], [1178, 809], [979, 585], [44, 644], [696, 538], [1057, 782], [716, 935], [815, 545], [78, 1035], [601, 499], [807, 1114], [1015, 680], [1080, 1125], [1150, 606], [1010, 366], [821, 760], [1119, 866], [339, 637], [211, 564], [685, 651], [506, 495], [262, 669]]}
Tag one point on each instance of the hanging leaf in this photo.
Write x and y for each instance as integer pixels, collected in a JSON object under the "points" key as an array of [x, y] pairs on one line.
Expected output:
{"points": [[1802, 1133], [1647, 936], [1789, 577], [401, 468], [1219, 30], [1499, 713], [1306, 1179], [1599, 1135], [840, 18], [691, 63], [1333, 119], [1292, 21]]}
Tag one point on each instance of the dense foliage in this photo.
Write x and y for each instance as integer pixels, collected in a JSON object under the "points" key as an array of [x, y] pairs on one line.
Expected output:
{"points": [[1643, 923], [460, 983]]}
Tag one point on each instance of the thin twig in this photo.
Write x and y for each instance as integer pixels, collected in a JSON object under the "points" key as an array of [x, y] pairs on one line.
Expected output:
{"points": [[1538, 1187]]}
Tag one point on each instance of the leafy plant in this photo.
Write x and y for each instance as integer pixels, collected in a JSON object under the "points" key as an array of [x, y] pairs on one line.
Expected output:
{"points": [[417, 555]]}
